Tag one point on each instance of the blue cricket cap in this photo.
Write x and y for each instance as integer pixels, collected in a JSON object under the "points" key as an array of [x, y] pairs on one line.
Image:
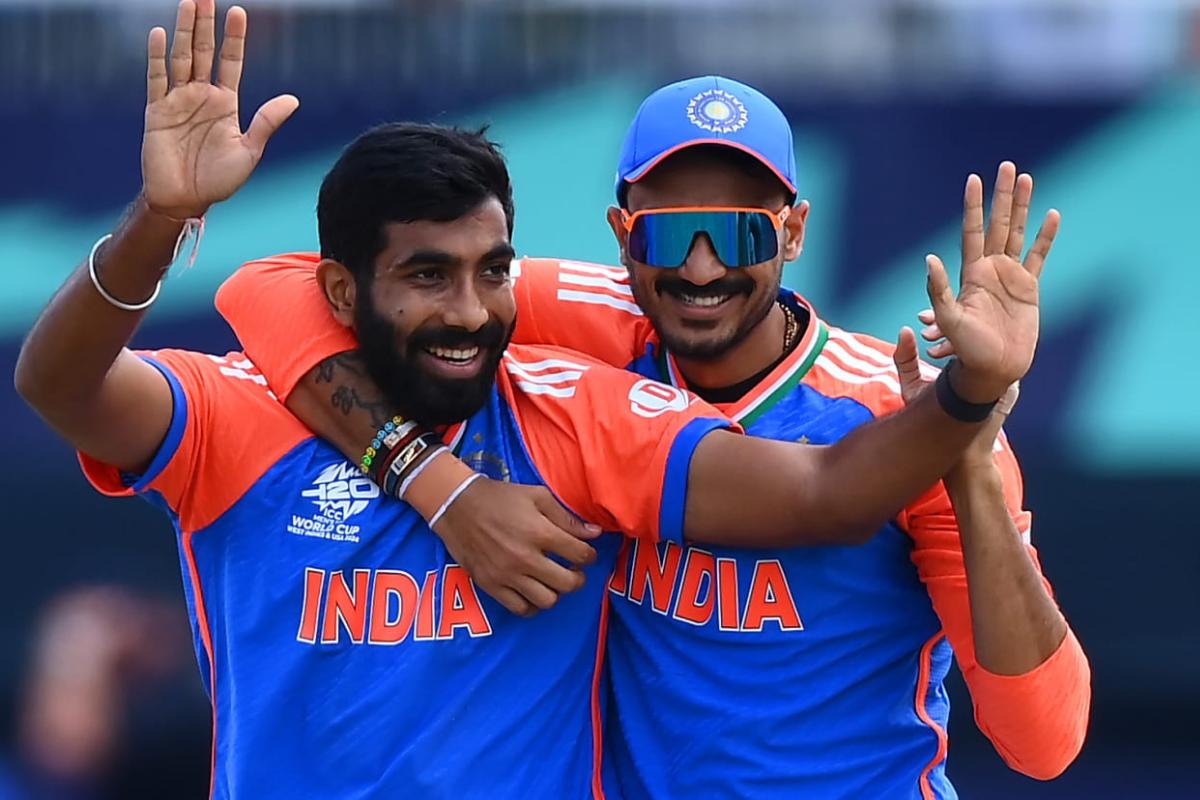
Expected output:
{"points": [[707, 110]]}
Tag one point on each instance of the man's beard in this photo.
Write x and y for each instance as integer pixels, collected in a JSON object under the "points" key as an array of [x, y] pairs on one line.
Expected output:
{"points": [[701, 345], [410, 389]]}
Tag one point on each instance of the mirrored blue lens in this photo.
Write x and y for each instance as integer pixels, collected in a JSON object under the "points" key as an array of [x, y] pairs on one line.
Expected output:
{"points": [[739, 238]]}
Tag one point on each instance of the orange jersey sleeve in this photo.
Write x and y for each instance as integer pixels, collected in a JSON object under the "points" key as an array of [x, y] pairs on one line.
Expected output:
{"points": [[1036, 721], [226, 431], [613, 447], [584, 307], [281, 318]]}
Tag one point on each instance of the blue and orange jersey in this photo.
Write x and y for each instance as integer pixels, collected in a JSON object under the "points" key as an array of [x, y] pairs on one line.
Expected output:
{"points": [[345, 653], [805, 672]]}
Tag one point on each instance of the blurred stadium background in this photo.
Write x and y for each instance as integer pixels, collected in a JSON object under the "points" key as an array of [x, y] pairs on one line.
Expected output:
{"points": [[894, 102]]}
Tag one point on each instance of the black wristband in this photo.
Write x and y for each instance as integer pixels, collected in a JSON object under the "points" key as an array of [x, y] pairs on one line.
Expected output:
{"points": [[954, 405]]}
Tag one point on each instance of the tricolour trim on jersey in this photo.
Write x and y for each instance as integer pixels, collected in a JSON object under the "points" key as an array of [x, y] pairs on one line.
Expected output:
{"points": [[782, 380], [923, 674], [597, 285], [553, 376]]}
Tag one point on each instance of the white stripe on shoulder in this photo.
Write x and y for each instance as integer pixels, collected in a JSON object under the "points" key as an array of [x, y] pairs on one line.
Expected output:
{"points": [[841, 374], [860, 347], [546, 364], [596, 298], [834, 348], [514, 269], [591, 280], [546, 377], [553, 391], [612, 273]]}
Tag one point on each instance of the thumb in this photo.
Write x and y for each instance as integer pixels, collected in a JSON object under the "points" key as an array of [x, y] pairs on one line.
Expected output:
{"points": [[908, 363], [268, 119], [941, 296], [564, 519]]}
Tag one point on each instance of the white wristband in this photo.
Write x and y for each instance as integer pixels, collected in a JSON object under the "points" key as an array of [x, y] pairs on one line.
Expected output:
{"points": [[462, 487]]}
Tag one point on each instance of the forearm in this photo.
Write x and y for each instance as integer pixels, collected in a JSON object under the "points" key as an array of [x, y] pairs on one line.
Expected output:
{"points": [[1016, 624], [74, 369], [339, 401], [75, 341], [864, 480]]}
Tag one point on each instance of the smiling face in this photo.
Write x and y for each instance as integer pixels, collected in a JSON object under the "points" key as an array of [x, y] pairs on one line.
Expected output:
{"points": [[702, 309], [437, 313], [416, 223]]}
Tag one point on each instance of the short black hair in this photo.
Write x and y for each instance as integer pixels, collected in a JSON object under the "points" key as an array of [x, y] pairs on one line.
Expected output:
{"points": [[405, 172]]}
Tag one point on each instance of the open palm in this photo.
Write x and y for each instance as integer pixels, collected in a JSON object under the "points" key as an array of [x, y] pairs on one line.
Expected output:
{"points": [[992, 325], [194, 153]]}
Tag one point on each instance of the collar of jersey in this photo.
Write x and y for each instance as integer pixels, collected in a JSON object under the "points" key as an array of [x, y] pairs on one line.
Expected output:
{"points": [[779, 382]]}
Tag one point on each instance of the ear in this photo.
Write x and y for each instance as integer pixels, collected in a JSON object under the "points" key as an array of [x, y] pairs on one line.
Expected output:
{"points": [[340, 290], [617, 223], [793, 227]]}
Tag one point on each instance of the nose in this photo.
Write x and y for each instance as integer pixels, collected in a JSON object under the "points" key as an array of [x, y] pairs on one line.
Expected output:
{"points": [[465, 308], [702, 265]]}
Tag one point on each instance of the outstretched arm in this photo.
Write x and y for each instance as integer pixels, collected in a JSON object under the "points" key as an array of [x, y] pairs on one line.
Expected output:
{"points": [[74, 368]]}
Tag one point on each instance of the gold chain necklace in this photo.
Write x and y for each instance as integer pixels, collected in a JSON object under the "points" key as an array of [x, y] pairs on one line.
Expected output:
{"points": [[790, 328]]}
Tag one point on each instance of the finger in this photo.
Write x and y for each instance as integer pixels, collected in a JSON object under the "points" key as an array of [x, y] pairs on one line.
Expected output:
{"points": [[568, 546], [941, 296], [204, 41], [931, 333], [267, 120], [558, 578], [514, 602], [181, 44], [972, 231], [1005, 406], [233, 49], [942, 349], [1020, 215], [1001, 214], [536, 593], [926, 316], [1035, 262], [156, 65], [907, 359]]}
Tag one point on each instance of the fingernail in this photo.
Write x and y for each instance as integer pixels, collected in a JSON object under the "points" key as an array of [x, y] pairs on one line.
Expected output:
{"points": [[591, 527]]}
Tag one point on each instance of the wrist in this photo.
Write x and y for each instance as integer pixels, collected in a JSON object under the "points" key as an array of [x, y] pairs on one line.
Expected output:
{"points": [[178, 216], [973, 386], [959, 403]]}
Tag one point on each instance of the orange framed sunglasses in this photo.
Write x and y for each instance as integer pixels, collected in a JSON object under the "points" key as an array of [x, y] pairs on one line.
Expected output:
{"points": [[741, 237]]}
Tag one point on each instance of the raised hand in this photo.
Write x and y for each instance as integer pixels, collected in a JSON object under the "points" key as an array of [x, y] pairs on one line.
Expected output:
{"points": [[992, 325], [915, 376], [194, 153]]}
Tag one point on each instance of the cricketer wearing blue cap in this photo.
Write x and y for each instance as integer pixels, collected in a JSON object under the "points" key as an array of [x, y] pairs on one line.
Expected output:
{"points": [[813, 672]]}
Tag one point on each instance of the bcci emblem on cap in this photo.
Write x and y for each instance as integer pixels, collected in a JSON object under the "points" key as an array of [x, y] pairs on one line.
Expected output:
{"points": [[717, 111]]}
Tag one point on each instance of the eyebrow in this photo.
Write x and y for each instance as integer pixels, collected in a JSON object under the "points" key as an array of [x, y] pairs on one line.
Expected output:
{"points": [[440, 258]]}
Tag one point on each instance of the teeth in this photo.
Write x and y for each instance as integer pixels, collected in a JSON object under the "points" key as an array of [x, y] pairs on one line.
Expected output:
{"points": [[707, 300], [457, 354]]}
